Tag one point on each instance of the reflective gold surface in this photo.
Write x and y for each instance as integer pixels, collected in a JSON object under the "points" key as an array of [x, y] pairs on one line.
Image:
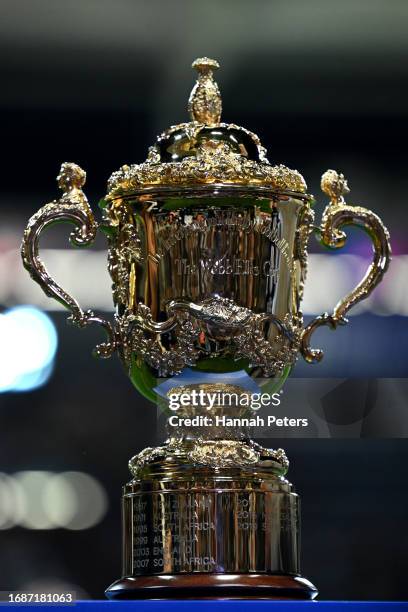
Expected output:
{"points": [[204, 104], [208, 251], [338, 215], [210, 280], [212, 268], [204, 151], [71, 207], [232, 523]]}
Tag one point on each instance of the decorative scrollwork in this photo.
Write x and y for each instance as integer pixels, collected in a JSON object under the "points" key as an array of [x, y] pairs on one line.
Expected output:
{"points": [[205, 104], [219, 320], [224, 453], [124, 252], [72, 207], [271, 356], [337, 215], [304, 231], [140, 334], [208, 160], [211, 453], [213, 163]]}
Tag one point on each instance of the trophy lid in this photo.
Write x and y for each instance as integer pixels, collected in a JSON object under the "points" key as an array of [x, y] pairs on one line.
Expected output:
{"points": [[205, 152]]}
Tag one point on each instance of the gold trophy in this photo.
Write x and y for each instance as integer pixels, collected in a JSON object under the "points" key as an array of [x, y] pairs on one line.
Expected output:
{"points": [[208, 257]]}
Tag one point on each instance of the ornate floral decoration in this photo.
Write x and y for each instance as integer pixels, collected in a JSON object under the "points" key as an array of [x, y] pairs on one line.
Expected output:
{"points": [[216, 318], [201, 452], [205, 156]]}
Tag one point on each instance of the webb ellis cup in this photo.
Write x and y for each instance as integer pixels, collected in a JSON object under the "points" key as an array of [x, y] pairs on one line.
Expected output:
{"points": [[208, 257]]}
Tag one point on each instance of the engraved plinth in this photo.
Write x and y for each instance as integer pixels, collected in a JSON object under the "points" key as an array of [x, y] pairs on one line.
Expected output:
{"points": [[216, 525]]}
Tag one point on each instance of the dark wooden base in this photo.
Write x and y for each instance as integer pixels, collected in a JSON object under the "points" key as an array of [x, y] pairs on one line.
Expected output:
{"points": [[212, 586]]}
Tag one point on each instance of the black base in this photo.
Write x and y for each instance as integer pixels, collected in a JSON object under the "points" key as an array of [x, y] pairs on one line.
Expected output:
{"points": [[212, 586]]}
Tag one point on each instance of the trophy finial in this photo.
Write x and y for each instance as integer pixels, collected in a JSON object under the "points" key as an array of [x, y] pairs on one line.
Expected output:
{"points": [[204, 104], [71, 176], [334, 185]]}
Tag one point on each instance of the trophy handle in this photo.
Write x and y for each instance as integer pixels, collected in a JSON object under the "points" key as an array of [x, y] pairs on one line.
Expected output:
{"points": [[72, 207], [337, 215]]}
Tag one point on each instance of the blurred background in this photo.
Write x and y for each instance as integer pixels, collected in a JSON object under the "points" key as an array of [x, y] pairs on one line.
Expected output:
{"points": [[325, 85]]}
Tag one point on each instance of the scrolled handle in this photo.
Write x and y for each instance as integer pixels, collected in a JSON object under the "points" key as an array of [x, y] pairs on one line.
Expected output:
{"points": [[336, 216], [72, 207]]}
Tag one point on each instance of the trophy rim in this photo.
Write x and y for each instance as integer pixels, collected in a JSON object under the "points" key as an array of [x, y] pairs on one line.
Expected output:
{"points": [[215, 189]]}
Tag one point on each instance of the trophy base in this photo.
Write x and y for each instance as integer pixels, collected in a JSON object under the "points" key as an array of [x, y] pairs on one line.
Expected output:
{"points": [[210, 519], [212, 586]]}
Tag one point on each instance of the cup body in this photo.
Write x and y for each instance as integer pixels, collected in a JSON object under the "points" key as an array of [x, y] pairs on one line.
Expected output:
{"points": [[209, 281]]}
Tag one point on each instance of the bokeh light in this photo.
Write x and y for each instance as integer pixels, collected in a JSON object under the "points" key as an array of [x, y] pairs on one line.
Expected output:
{"points": [[46, 500], [28, 343]]}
